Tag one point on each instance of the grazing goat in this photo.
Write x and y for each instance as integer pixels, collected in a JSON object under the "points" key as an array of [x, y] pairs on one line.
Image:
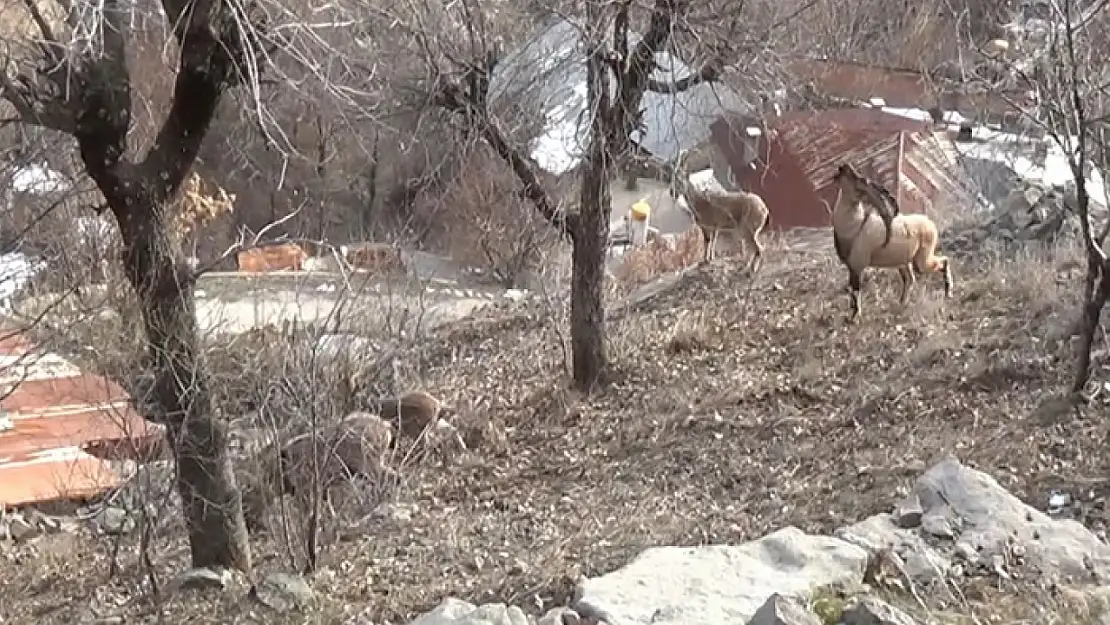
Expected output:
{"points": [[713, 211], [857, 237], [410, 413], [354, 446]]}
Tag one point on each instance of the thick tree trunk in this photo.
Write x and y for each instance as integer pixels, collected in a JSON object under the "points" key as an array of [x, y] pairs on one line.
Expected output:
{"points": [[1092, 314], [211, 500], [587, 308]]}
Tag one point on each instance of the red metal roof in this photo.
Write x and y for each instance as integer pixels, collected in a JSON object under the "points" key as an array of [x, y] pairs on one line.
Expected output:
{"points": [[54, 414], [904, 88], [799, 152]]}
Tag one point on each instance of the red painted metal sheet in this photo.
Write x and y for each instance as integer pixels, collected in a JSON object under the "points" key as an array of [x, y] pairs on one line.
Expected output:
{"points": [[31, 396], [53, 415], [799, 152], [43, 478]]}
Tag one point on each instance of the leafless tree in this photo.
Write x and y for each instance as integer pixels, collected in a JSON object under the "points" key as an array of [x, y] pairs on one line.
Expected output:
{"points": [[620, 71], [80, 84], [1064, 63]]}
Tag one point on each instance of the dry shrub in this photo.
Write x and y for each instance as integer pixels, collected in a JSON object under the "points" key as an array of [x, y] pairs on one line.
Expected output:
{"points": [[483, 222], [201, 204], [645, 263]]}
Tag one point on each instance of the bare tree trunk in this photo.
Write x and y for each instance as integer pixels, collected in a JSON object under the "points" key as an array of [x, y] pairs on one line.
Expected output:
{"points": [[1092, 314], [587, 308], [156, 269]]}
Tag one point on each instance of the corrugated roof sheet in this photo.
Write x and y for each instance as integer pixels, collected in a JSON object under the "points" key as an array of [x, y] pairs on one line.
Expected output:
{"points": [[54, 414], [799, 155]]}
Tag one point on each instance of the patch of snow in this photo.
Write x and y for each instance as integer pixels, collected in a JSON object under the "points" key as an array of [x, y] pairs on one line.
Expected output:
{"points": [[16, 270], [560, 148], [706, 181], [915, 114], [1013, 151], [951, 118], [673, 121], [38, 179]]}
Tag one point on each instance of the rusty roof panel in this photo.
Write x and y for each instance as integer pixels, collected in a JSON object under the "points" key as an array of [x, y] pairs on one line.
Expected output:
{"points": [[77, 428], [915, 163], [52, 416], [60, 473], [38, 395]]}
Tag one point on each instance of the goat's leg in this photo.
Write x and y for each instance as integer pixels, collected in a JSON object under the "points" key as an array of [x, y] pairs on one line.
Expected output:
{"points": [[712, 245], [757, 261], [907, 282], [742, 249], [946, 271], [855, 285], [707, 239]]}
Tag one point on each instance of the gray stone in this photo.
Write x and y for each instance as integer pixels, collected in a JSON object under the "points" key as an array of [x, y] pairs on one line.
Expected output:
{"points": [[872, 611], [939, 523], [926, 565], [780, 610], [988, 520], [457, 612], [967, 552], [115, 521], [560, 616], [46, 523], [720, 583], [907, 514], [20, 529], [204, 578], [284, 592]]}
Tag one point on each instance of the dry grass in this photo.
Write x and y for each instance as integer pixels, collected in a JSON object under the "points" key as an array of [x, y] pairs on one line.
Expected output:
{"points": [[734, 409], [647, 262]]}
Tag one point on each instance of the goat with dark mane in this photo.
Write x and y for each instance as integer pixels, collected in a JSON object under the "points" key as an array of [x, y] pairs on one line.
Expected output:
{"points": [[910, 240]]}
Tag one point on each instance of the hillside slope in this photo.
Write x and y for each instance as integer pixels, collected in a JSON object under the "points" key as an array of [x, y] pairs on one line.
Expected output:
{"points": [[740, 408], [736, 408]]}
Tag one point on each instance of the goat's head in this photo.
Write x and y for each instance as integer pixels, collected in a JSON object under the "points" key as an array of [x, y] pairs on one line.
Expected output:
{"points": [[847, 177]]}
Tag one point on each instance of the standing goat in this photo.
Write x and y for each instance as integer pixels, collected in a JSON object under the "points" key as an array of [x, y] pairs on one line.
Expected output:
{"points": [[858, 237], [714, 211]]}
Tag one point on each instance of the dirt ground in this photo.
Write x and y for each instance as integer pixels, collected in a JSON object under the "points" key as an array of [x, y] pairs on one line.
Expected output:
{"points": [[734, 408]]}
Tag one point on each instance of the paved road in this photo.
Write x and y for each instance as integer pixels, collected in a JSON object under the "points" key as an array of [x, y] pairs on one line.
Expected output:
{"points": [[233, 302]]}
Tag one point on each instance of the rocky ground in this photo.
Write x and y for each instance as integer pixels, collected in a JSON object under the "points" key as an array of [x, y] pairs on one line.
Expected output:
{"points": [[736, 410]]}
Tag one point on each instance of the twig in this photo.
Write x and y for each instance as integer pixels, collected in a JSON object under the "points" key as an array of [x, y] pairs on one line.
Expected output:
{"points": [[241, 244]]}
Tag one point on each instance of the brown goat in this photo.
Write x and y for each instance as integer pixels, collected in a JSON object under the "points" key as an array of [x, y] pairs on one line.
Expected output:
{"points": [[354, 446], [411, 413], [714, 211], [856, 236]]}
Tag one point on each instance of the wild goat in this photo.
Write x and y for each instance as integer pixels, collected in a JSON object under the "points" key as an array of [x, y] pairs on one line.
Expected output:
{"points": [[714, 211], [354, 446], [411, 413], [858, 238]]}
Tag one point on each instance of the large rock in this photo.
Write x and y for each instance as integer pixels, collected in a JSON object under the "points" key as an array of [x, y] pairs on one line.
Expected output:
{"points": [[457, 612], [720, 583], [957, 515]]}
